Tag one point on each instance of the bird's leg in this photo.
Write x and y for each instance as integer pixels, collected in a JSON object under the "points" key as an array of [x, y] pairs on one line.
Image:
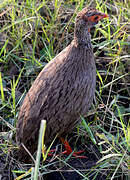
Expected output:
{"points": [[68, 150], [51, 151]]}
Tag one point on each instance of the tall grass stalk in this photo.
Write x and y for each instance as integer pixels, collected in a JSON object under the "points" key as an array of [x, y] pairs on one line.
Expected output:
{"points": [[41, 137]]}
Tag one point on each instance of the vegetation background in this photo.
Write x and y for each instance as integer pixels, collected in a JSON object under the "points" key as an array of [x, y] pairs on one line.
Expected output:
{"points": [[32, 32]]}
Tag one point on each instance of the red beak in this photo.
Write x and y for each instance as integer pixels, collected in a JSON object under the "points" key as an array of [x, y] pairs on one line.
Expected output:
{"points": [[103, 15]]}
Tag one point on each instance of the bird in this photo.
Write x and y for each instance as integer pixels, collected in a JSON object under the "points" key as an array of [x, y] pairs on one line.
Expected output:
{"points": [[64, 89]]}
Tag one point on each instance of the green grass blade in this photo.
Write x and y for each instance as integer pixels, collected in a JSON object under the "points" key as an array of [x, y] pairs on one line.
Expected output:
{"points": [[88, 130], [1, 88]]}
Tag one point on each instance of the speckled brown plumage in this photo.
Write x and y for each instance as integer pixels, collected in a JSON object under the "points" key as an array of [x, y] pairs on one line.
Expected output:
{"points": [[63, 90]]}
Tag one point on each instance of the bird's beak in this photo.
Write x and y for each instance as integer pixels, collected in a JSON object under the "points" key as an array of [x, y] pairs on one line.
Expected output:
{"points": [[103, 15]]}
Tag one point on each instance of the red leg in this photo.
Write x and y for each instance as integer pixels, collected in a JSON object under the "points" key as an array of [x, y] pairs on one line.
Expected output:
{"points": [[68, 150], [51, 151]]}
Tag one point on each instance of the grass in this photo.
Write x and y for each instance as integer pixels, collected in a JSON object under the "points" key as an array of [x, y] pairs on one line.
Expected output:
{"points": [[31, 34]]}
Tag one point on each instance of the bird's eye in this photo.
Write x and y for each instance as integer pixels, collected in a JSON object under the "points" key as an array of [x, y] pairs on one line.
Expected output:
{"points": [[96, 18]]}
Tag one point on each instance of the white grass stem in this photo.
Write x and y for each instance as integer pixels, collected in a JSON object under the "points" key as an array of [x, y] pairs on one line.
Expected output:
{"points": [[42, 131]]}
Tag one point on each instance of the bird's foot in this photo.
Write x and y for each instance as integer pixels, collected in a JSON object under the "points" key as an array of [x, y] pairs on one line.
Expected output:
{"points": [[51, 152], [75, 154], [69, 151]]}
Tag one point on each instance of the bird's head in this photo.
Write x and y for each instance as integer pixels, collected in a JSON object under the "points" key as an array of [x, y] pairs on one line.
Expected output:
{"points": [[89, 17], [85, 20]]}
